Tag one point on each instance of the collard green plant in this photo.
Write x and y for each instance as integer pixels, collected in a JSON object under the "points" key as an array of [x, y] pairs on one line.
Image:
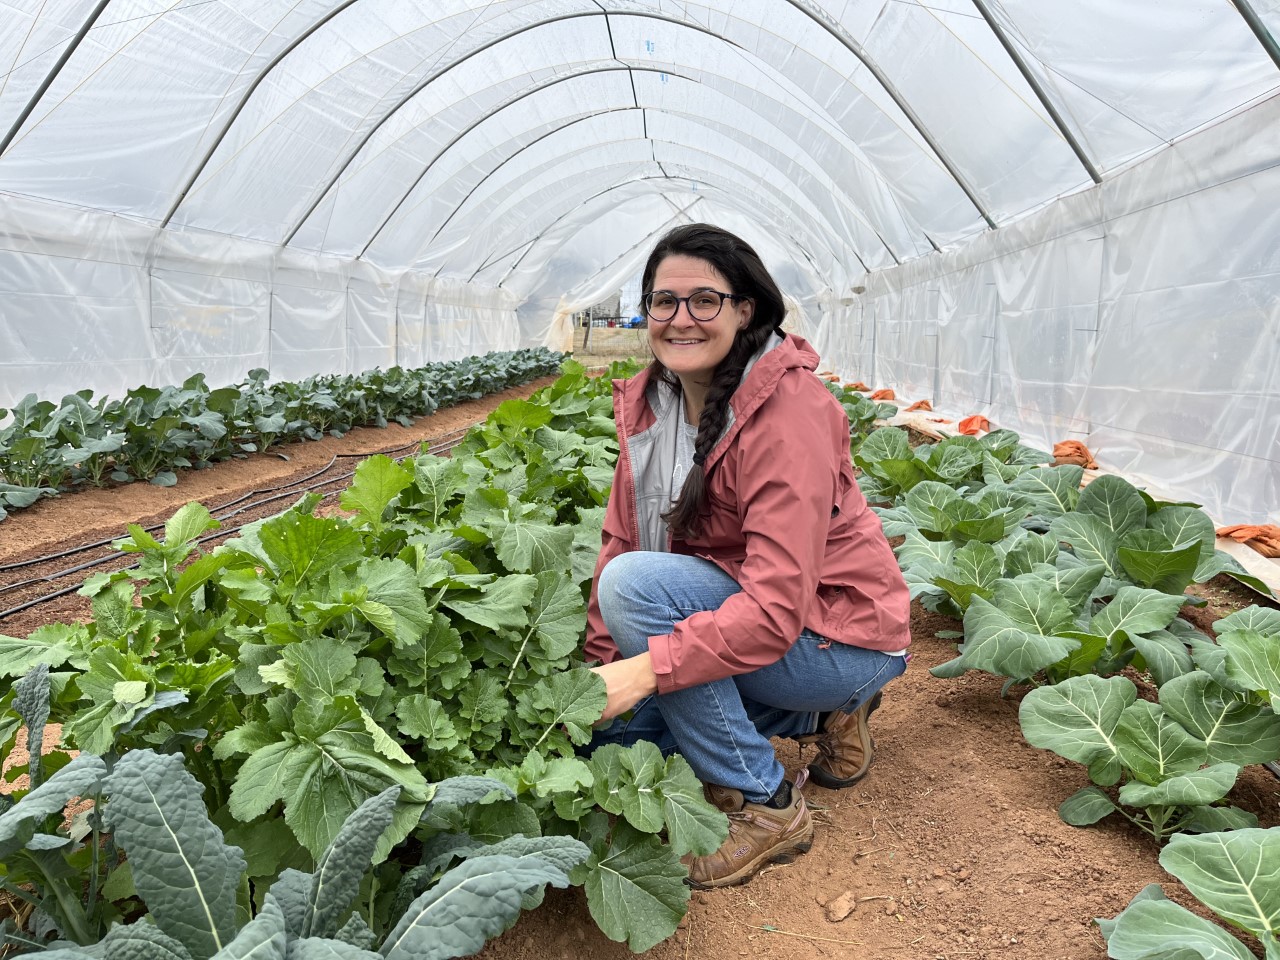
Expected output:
{"points": [[1173, 761], [1235, 874]]}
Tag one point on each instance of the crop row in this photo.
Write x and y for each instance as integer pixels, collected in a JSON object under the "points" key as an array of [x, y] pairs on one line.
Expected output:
{"points": [[151, 432], [393, 698], [1063, 588]]}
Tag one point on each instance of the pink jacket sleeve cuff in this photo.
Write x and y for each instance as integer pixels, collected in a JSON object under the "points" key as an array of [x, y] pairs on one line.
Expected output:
{"points": [[660, 660]]}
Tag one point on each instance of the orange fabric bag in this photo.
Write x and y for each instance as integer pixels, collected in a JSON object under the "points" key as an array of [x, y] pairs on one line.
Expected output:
{"points": [[974, 425], [920, 405], [885, 394]]}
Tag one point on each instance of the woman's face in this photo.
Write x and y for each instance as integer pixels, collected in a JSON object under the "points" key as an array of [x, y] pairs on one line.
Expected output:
{"points": [[687, 347]]}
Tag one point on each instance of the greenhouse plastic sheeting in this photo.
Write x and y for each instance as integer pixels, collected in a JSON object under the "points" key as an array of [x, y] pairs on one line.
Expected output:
{"points": [[1060, 214]]}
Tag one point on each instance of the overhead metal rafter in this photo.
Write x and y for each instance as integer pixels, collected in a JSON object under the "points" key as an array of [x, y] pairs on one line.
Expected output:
{"points": [[1265, 37], [564, 126], [52, 75], [239, 107], [839, 34], [1034, 82]]}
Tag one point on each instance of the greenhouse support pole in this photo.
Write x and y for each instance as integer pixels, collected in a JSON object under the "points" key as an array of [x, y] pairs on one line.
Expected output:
{"points": [[1245, 9], [1034, 82], [53, 75]]}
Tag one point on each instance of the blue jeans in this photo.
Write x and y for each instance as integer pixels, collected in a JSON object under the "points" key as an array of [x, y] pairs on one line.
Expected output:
{"points": [[723, 727]]}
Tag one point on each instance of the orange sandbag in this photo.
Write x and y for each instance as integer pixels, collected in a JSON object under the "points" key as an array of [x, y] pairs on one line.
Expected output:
{"points": [[920, 405], [885, 394], [972, 426], [1073, 451], [1265, 538], [859, 386]]}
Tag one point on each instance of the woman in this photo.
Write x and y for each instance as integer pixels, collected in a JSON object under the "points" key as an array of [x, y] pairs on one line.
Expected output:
{"points": [[743, 590]]}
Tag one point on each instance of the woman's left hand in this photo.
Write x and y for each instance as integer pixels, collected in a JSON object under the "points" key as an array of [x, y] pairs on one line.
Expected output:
{"points": [[628, 682]]}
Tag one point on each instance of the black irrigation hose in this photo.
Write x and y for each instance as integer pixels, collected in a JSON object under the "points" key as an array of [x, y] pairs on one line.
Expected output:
{"points": [[443, 444]]}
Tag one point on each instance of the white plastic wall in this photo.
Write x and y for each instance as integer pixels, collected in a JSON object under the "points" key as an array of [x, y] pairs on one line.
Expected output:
{"points": [[1141, 317]]}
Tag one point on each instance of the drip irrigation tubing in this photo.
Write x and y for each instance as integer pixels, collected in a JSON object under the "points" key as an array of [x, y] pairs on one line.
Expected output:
{"points": [[441, 444]]}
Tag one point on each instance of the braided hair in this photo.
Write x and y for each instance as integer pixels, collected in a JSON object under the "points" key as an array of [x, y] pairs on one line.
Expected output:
{"points": [[741, 266]]}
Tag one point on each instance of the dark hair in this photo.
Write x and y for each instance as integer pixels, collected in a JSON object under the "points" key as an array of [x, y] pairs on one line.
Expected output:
{"points": [[741, 266]]}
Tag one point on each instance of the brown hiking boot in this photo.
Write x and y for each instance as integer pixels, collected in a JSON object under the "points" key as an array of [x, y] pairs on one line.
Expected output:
{"points": [[757, 835], [845, 747]]}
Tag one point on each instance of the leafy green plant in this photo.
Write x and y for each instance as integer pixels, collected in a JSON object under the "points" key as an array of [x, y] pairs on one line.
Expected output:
{"points": [[862, 412], [193, 884], [1233, 874], [1138, 540], [1174, 760]]}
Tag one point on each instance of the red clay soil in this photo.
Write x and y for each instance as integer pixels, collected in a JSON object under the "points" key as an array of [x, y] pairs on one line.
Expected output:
{"points": [[950, 848]]}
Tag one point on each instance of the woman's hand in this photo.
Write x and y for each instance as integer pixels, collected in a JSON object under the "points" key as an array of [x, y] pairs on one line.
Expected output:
{"points": [[627, 683]]}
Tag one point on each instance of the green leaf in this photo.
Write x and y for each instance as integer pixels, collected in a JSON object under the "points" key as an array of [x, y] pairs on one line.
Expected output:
{"points": [[262, 938], [427, 720], [1179, 524], [1029, 551], [394, 584], [998, 644], [1234, 731], [79, 778], [1115, 502], [1053, 490], [141, 941], [573, 699], [1085, 807], [1253, 660], [378, 481], [1152, 561], [53, 644], [1090, 539], [1165, 655], [336, 878], [31, 703], [1217, 819], [1163, 930], [523, 416], [1235, 874], [302, 548], [439, 479], [529, 546], [1033, 604], [189, 523], [693, 825], [502, 605], [182, 870], [635, 888], [1153, 746], [1077, 718], [1259, 619], [1208, 785], [1135, 610], [474, 901]]}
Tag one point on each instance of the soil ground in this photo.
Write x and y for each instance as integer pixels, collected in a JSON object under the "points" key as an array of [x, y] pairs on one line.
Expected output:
{"points": [[950, 848]]}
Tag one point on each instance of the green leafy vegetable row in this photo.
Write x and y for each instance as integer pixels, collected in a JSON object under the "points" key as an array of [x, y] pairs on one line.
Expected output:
{"points": [[150, 432], [317, 661]]}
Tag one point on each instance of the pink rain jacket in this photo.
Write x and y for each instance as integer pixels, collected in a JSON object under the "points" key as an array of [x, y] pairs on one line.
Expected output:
{"points": [[787, 522]]}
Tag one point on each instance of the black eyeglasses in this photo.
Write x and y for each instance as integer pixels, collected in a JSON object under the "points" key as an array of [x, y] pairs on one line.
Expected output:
{"points": [[662, 305]]}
